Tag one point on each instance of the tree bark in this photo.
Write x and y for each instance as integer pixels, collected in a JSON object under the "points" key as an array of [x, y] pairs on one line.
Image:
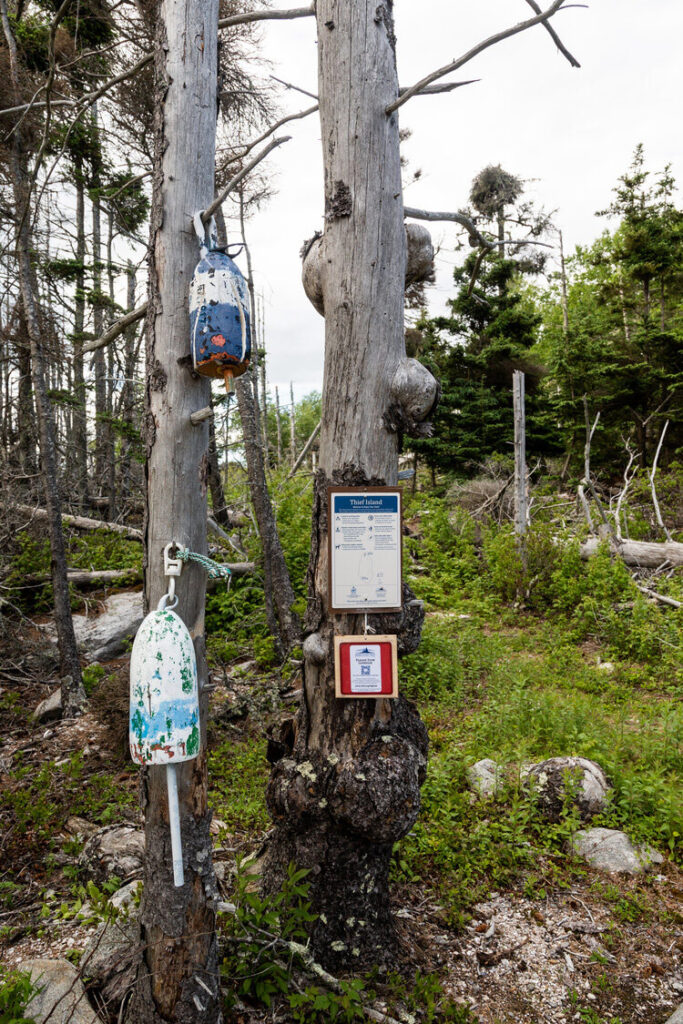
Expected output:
{"points": [[520, 456], [641, 553], [178, 980], [350, 786]]}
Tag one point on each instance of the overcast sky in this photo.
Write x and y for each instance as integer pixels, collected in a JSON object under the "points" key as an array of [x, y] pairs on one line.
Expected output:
{"points": [[569, 132]]}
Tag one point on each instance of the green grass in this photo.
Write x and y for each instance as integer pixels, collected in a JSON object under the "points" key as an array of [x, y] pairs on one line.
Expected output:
{"points": [[238, 773]]}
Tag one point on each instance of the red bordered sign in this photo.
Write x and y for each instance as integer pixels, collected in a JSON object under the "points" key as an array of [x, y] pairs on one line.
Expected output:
{"points": [[366, 666]]}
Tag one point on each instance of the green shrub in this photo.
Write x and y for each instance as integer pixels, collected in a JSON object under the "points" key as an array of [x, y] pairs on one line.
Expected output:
{"points": [[16, 992]]}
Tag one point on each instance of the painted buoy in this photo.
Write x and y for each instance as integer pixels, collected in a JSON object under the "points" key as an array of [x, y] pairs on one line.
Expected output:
{"points": [[220, 327], [164, 705]]}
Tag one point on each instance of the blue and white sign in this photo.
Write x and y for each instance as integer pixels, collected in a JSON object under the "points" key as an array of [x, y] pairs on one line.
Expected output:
{"points": [[365, 550]]}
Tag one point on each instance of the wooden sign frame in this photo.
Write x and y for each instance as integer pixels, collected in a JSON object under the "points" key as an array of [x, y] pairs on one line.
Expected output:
{"points": [[363, 609], [389, 674]]}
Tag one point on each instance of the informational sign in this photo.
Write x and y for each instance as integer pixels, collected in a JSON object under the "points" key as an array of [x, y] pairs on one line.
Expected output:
{"points": [[365, 549], [365, 666]]}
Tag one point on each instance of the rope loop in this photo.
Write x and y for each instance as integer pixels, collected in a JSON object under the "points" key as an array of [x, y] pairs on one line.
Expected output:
{"points": [[214, 570]]}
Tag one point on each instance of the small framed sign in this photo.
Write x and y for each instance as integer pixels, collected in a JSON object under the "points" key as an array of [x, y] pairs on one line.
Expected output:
{"points": [[364, 529], [365, 666]]}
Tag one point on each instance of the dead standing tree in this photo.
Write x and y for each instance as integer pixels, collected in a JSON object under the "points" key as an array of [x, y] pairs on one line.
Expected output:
{"points": [[178, 979], [349, 785]]}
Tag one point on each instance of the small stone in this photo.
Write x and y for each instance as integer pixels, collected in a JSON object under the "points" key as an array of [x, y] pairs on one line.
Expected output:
{"points": [[49, 709], [484, 778], [125, 899], [610, 850]]}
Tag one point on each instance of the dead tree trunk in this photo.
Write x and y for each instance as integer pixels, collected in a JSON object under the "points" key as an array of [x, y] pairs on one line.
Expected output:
{"points": [[520, 456], [283, 623], [178, 980], [350, 787]]}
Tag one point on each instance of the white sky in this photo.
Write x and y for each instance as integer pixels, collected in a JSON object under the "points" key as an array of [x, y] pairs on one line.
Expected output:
{"points": [[572, 130]]}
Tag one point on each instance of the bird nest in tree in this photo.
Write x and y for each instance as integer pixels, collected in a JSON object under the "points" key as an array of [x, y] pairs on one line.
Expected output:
{"points": [[492, 189]]}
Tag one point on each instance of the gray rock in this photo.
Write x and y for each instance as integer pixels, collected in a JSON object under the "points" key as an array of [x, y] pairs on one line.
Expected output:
{"points": [[110, 959], [113, 850], [125, 899], [109, 634], [484, 777], [49, 709], [610, 850], [586, 779], [677, 1017], [62, 996]]}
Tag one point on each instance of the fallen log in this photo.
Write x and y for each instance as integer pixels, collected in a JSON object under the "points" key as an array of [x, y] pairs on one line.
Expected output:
{"points": [[85, 577], [640, 553], [82, 522]]}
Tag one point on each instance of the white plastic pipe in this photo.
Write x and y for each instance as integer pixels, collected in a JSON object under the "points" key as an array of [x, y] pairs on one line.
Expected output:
{"points": [[174, 822]]}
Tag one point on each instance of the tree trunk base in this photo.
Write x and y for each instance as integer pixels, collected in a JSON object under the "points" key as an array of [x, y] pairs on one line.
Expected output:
{"points": [[349, 890]]}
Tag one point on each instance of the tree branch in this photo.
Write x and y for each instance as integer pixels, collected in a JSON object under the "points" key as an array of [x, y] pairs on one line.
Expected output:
{"points": [[430, 90], [240, 176], [117, 328], [655, 502], [474, 52], [247, 148], [554, 36], [587, 480], [267, 15]]}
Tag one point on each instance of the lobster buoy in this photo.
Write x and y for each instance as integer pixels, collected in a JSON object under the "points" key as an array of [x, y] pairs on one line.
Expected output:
{"points": [[164, 706], [219, 312]]}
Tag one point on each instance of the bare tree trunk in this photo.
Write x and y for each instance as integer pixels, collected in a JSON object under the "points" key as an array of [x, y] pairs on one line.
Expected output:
{"points": [[278, 425], [292, 426], [98, 358], [25, 411], [520, 456], [178, 980], [283, 623], [79, 443], [218, 506], [350, 788], [109, 439], [73, 694], [128, 393]]}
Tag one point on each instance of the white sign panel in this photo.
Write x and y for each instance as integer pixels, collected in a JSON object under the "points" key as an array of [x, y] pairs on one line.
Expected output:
{"points": [[365, 550], [365, 668]]}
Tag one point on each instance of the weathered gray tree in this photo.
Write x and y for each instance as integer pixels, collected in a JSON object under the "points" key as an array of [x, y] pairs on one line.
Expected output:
{"points": [[179, 977], [348, 785]]}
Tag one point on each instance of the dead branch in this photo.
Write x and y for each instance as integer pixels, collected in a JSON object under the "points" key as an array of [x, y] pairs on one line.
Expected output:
{"points": [[431, 90], [288, 85], [662, 598], [655, 502], [623, 491], [247, 148], [474, 52], [117, 328], [587, 480], [304, 451], [554, 36], [84, 577], [269, 15], [240, 176]]}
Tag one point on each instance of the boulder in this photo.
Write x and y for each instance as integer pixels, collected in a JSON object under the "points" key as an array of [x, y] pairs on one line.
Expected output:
{"points": [[677, 1017], [610, 850], [110, 633], [110, 958], [62, 998], [586, 779], [484, 778], [113, 850], [49, 709]]}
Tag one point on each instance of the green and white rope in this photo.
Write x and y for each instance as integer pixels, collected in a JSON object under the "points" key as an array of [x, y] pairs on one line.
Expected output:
{"points": [[214, 570]]}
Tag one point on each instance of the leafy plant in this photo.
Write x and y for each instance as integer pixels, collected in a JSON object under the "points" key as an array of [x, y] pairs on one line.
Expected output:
{"points": [[16, 992]]}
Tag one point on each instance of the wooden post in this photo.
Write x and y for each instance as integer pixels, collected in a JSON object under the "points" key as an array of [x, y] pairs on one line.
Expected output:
{"points": [[179, 977], [520, 455]]}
